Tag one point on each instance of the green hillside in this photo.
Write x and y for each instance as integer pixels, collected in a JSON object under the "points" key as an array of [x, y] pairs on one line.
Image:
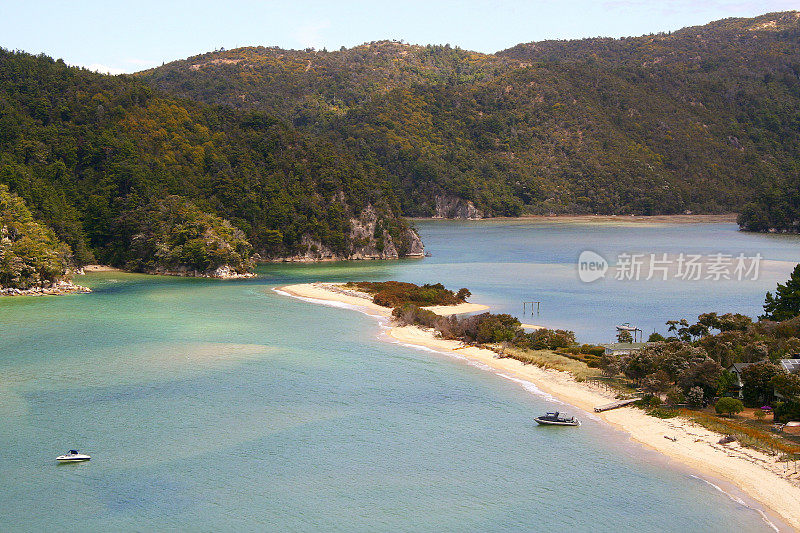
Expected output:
{"points": [[703, 119], [89, 153]]}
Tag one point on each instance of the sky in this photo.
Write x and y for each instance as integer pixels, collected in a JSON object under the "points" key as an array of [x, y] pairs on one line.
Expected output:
{"points": [[114, 36]]}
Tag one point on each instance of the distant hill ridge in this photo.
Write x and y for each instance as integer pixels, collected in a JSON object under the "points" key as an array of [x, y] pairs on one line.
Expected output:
{"points": [[702, 119]]}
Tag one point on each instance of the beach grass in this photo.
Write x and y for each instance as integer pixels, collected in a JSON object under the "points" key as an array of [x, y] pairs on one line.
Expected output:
{"points": [[549, 359], [745, 433]]}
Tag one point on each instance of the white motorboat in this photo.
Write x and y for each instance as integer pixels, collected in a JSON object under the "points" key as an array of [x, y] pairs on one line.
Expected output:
{"points": [[557, 419], [72, 457]]}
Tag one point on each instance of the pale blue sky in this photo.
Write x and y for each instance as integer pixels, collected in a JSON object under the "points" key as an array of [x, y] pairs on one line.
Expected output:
{"points": [[129, 36]]}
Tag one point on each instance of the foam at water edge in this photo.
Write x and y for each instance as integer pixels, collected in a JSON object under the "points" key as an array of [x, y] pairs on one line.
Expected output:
{"points": [[527, 385], [329, 303], [739, 501], [530, 387]]}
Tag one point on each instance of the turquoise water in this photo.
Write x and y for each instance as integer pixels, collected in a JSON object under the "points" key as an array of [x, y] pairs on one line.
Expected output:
{"points": [[212, 405]]}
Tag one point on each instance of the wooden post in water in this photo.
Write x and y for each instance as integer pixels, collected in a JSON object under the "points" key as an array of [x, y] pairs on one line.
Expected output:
{"points": [[525, 304]]}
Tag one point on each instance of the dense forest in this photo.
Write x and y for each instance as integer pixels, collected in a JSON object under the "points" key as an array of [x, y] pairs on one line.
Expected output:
{"points": [[703, 119], [95, 156]]}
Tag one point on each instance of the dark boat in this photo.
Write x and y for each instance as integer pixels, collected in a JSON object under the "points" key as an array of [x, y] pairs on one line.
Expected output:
{"points": [[557, 419]]}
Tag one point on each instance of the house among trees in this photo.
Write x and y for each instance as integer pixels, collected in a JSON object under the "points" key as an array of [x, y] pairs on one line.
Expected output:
{"points": [[736, 370], [791, 366]]}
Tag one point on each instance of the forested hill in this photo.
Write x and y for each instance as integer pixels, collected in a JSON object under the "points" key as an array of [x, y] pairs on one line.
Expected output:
{"points": [[129, 176], [703, 119]]}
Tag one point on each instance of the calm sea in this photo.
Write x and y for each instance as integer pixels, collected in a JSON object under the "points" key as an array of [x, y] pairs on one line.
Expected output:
{"points": [[212, 405]]}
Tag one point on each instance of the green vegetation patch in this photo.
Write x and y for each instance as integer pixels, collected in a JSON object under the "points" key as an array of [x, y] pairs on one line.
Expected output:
{"points": [[397, 293], [174, 235], [662, 412], [30, 253]]}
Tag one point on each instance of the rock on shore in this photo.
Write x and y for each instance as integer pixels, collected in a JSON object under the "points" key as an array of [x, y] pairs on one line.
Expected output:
{"points": [[222, 272], [56, 288]]}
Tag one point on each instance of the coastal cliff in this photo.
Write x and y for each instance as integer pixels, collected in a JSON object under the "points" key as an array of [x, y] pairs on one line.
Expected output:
{"points": [[370, 237], [455, 207]]}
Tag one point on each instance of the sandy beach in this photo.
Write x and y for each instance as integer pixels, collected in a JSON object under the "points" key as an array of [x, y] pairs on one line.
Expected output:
{"points": [[654, 219], [759, 475], [335, 292], [633, 219]]}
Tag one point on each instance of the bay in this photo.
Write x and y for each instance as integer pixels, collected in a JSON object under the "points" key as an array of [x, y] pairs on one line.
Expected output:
{"points": [[211, 405]]}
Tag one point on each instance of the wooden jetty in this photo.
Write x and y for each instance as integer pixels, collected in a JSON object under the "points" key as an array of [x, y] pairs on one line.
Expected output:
{"points": [[614, 405]]}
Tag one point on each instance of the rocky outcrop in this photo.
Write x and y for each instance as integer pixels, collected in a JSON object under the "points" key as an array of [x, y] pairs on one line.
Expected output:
{"points": [[415, 247], [222, 272], [55, 288], [368, 238], [455, 207]]}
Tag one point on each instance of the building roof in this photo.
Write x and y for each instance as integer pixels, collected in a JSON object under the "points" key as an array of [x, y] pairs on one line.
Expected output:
{"points": [[738, 367], [791, 365]]}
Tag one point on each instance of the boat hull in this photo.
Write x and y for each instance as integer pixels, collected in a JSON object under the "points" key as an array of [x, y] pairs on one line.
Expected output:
{"points": [[63, 459], [554, 423]]}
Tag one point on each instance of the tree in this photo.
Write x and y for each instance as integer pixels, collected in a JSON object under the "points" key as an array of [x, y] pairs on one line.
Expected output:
{"points": [[680, 328], [497, 328], [695, 397], [624, 336], [786, 384], [786, 302], [704, 374], [30, 253], [698, 330], [757, 388], [726, 381], [656, 337], [675, 396], [733, 322], [657, 382], [710, 320], [463, 294], [728, 406]]}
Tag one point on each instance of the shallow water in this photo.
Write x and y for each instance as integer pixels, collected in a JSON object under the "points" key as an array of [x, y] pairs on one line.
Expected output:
{"points": [[212, 405]]}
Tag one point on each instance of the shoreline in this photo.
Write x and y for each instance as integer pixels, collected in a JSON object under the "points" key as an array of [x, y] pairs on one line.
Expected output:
{"points": [[625, 219], [332, 292], [56, 289], [223, 273], [754, 473]]}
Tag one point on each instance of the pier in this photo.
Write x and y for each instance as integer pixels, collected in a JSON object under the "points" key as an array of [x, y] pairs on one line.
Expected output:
{"points": [[614, 405]]}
